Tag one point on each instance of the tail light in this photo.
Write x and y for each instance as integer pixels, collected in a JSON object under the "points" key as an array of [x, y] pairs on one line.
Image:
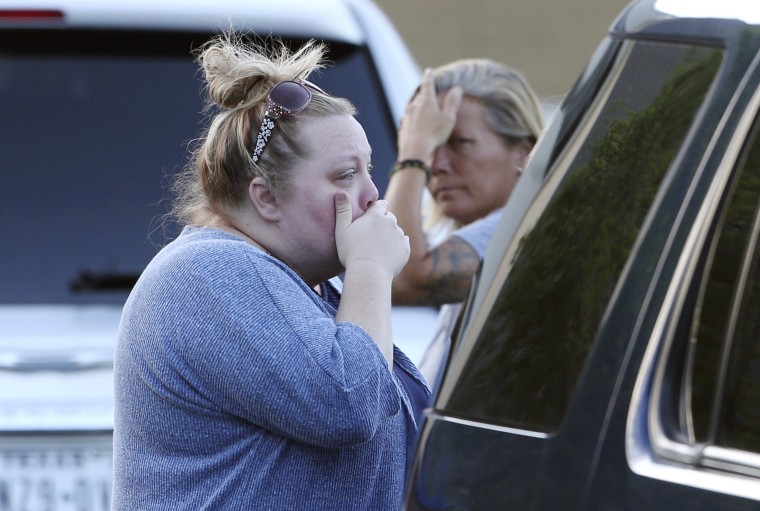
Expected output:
{"points": [[24, 15]]}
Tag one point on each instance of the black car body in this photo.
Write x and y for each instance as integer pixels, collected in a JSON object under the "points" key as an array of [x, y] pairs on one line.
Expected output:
{"points": [[608, 356]]}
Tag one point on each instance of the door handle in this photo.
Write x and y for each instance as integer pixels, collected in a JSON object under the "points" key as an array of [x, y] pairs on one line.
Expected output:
{"points": [[68, 361]]}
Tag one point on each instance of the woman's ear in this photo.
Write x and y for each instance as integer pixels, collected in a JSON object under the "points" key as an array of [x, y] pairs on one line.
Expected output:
{"points": [[524, 148], [263, 199]]}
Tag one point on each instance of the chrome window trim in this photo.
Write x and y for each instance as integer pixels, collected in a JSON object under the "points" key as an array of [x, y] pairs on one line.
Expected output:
{"points": [[732, 460], [650, 453], [480, 425]]}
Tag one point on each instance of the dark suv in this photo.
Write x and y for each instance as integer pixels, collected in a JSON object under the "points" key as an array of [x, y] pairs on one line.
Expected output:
{"points": [[608, 356]]}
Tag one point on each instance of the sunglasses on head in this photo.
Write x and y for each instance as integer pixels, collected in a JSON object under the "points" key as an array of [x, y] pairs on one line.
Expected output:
{"points": [[286, 98]]}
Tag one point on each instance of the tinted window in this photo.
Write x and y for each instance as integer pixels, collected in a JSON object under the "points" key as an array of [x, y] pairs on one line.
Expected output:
{"points": [[721, 394], [94, 126], [525, 363]]}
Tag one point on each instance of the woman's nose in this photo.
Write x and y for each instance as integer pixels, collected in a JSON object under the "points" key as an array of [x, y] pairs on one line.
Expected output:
{"points": [[369, 195], [441, 163]]}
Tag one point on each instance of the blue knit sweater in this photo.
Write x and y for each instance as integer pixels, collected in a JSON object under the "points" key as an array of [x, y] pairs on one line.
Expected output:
{"points": [[236, 389]]}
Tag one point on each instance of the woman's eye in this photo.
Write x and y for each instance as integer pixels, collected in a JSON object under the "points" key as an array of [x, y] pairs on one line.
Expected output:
{"points": [[370, 168], [459, 144], [349, 174]]}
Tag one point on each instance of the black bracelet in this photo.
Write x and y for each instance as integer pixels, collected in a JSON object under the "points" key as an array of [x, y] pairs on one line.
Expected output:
{"points": [[417, 164]]}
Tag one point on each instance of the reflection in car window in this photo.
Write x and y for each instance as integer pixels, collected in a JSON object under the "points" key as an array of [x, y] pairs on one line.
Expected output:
{"points": [[95, 123], [723, 386], [525, 363]]}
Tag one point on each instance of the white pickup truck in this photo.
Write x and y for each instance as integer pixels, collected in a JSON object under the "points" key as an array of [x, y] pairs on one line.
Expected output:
{"points": [[99, 101]]}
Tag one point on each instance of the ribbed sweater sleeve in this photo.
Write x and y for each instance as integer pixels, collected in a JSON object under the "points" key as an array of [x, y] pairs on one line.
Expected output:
{"points": [[227, 329]]}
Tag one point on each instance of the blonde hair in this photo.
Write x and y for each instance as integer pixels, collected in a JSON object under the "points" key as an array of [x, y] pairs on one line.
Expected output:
{"points": [[512, 110], [239, 76]]}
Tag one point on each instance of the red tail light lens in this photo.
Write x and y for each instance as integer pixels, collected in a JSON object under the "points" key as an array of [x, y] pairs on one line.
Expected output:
{"points": [[30, 15]]}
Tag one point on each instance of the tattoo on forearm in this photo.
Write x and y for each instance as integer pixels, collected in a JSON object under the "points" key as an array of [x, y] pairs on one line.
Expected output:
{"points": [[454, 263]]}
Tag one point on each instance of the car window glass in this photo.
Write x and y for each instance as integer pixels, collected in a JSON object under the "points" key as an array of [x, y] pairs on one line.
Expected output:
{"points": [[722, 390], [523, 366], [94, 126]]}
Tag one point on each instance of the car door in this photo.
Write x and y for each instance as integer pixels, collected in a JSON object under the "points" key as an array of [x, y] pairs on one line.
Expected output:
{"points": [[524, 418]]}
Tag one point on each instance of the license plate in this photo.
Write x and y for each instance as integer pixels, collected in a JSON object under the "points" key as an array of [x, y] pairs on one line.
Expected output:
{"points": [[55, 476]]}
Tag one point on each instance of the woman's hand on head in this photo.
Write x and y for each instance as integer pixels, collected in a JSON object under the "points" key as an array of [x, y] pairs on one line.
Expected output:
{"points": [[428, 121], [374, 237]]}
